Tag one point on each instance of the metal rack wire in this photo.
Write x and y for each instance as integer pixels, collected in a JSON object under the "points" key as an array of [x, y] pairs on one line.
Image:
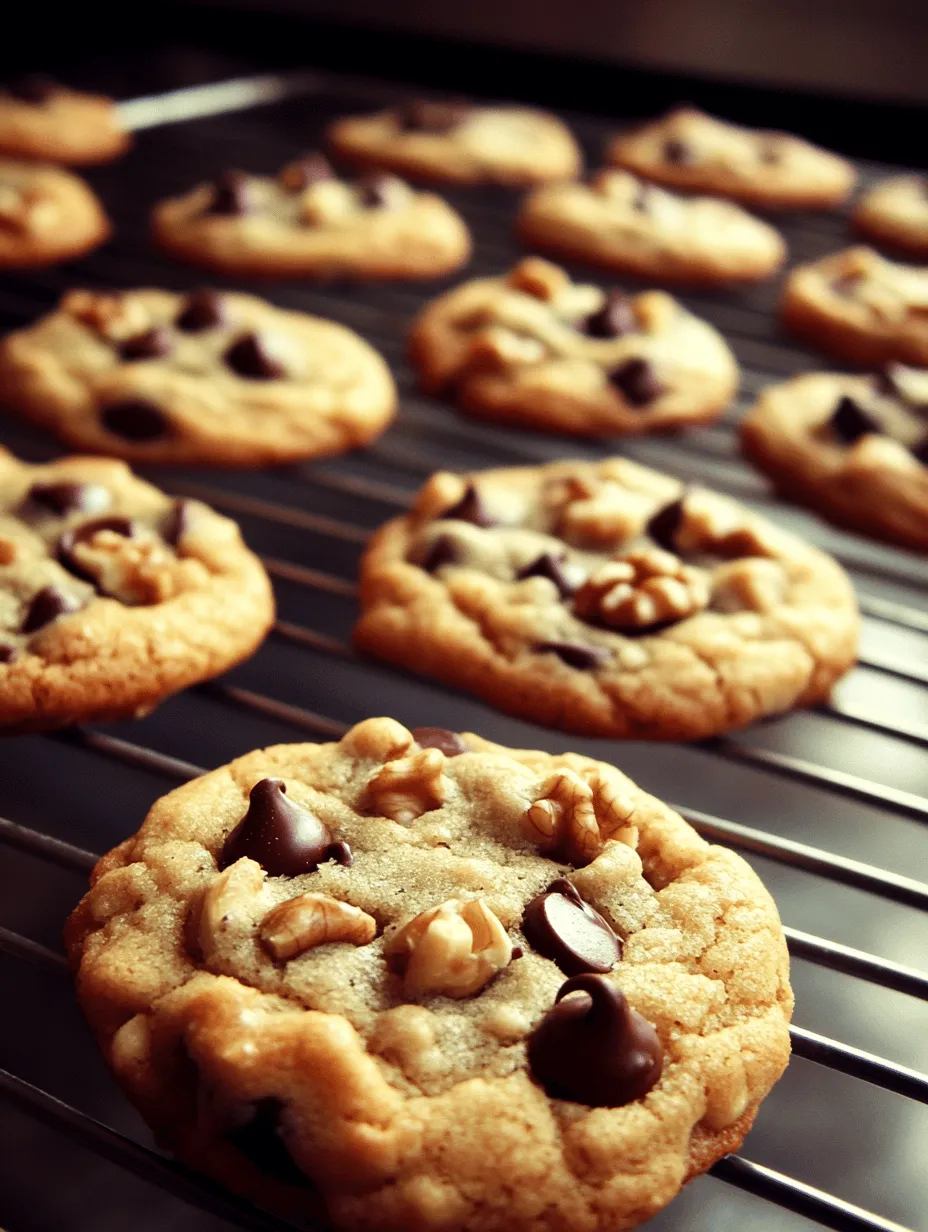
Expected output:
{"points": [[310, 521]]}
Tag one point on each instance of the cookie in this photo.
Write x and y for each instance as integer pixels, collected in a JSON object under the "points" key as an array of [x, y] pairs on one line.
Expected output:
{"points": [[896, 213], [861, 307], [219, 379], [41, 119], [113, 596], [306, 222], [460, 143], [46, 215], [621, 223], [418, 980], [606, 599], [855, 448], [691, 150], [534, 348]]}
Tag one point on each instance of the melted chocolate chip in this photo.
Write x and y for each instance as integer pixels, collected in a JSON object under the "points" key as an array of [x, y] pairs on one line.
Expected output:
{"points": [[48, 605], [178, 522], [850, 421], [260, 1142], [444, 551], [677, 152], [449, 742], [664, 524], [231, 194], [80, 534], [470, 508], [615, 319], [64, 498], [7, 652], [564, 928], [382, 191], [550, 566], [250, 357], [284, 838], [574, 654], [134, 419], [308, 170], [153, 344], [422, 116], [637, 381], [33, 89], [596, 1049], [203, 309]]}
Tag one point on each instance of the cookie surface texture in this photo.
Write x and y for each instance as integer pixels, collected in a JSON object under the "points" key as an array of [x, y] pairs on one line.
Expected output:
{"points": [[218, 378], [691, 150], [369, 1034], [895, 212], [620, 222], [306, 222], [459, 143], [604, 598], [114, 596], [41, 119], [537, 349], [46, 215]]}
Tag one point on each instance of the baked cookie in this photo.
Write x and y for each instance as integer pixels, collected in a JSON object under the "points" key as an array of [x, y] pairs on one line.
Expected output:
{"points": [[219, 379], [622, 223], [534, 348], [691, 150], [853, 447], [41, 119], [896, 213], [460, 143], [306, 222], [46, 215], [604, 598], [418, 980], [861, 307], [113, 596]]}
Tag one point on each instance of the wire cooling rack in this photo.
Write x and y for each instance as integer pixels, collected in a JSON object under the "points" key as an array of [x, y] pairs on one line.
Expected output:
{"points": [[829, 804]]}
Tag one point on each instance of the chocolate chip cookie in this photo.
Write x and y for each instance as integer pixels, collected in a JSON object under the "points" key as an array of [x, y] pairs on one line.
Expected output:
{"points": [[460, 143], [853, 447], [534, 348], [41, 119], [46, 215], [895, 213], [620, 222], [220, 379], [418, 980], [604, 598], [691, 150], [306, 222], [113, 596], [861, 307]]}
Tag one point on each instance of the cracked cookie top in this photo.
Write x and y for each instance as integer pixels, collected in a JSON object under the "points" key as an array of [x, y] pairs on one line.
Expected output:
{"points": [[40, 118], [46, 215], [433, 982]]}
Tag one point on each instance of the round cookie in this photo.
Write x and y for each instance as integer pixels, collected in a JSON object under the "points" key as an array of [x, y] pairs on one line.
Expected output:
{"points": [[460, 143], [861, 307], [621, 223], [41, 119], [306, 222], [46, 215], [604, 598], [895, 212], [335, 978], [691, 150], [113, 596], [853, 447], [221, 379], [534, 348]]}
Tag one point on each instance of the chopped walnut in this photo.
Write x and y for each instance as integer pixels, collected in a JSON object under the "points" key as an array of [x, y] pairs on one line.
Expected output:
{"points": [[753, 585], [328, 201], [410, 786], [604, 517], [228, 906], [453, 950], [574, 816], [499, 347], [711, 523], [309, 920], [113, 317], [139, 570], [647, 587], [540, 278], [441, 492]]}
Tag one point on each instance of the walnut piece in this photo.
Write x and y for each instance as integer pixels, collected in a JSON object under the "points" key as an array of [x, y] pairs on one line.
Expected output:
{"points": [[453, 950], [574, 816], [753, 585], [602, 514], [139, 570], [113, 317], [328, 201], [309, 920], [647, 587], [406, 788], [540, 278], [499, 347], [228, 906]]}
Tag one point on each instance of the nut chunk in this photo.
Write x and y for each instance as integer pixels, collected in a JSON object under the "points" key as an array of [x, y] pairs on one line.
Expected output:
{"points": [[573, 817], [309, 920], [647, 587], [452, 950], [410, 786]]}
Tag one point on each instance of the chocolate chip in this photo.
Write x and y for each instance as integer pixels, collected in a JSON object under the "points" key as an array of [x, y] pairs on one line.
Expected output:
{"points": [[594, 1050], [422, 116], [260, 1142], [444, 551], [64, 498], [250, 357], [48, 605], [231, 194], [677, 152], [308, 170], [134, 419], [341, 853], [203, 309], [449, 742], [920, 451], [470, 508], [282, 837], [550, 566], [615, 319], [574, 654], [178, 522], [153, 344], [33, 89], [637, 381], [382, 191], [7, 652], [850, 421], [517, 952], [663, 525], [564, 928], [68, 541]]}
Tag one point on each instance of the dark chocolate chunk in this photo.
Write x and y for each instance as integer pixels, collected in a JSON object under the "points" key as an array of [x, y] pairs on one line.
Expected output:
{"points": [[449, 742], [7, 652], [550, 566], [615, 319], [574, 654], [517, 952], [80, 534], [134, 419], [64, 498], [382, 191], [564, 928], [594, 1049], [418, 115], [920, 450], [231, 194], [178, 522], [34, 88], [250, 357], [260, 1142], [444, 551], [153, 344], [637, 381], [663, 525], [48, 605], [471, 508], [850, 421], [677, 152], [308, 170], [284, 838], [202, 309]]}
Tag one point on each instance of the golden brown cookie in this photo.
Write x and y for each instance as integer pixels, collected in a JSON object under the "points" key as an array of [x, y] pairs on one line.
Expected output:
{"points": [[895, 213], [46, 215], [41, 119]]}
